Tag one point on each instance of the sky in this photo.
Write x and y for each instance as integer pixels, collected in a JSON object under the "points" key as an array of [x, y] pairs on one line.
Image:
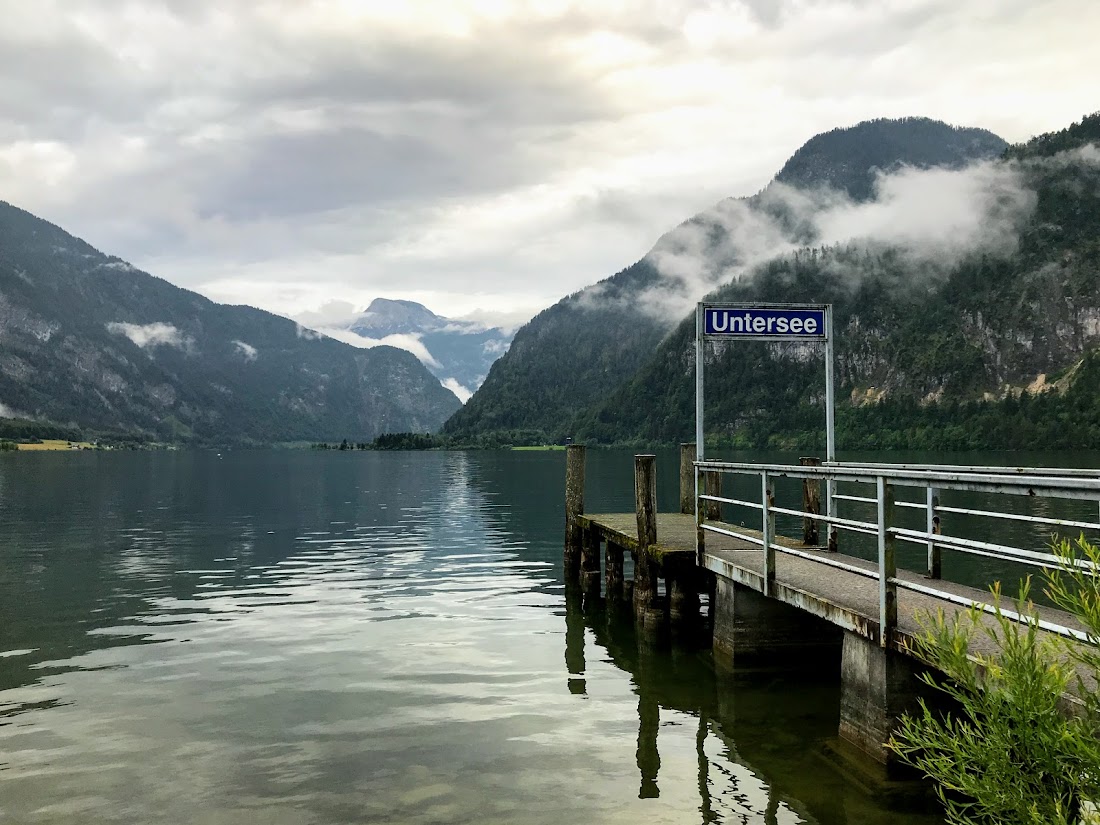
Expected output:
{"points": [[485, 158]]}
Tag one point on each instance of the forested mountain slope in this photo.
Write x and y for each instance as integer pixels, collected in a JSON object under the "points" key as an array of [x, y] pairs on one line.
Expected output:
{"points": [[926, 356], [86, 339], [580, 350]]}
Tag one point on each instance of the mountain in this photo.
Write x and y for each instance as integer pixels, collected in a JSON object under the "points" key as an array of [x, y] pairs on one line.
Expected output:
{"points": [[576, 353], [87, 339], [991, 351], [460, 352]]}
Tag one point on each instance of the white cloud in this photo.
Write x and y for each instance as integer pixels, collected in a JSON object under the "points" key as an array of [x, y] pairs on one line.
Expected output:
{"points": [[9, 412], [409, 342], [247, 350], [151, 335], [307, 333], [460, 391], [473, 156], [933, 216]]}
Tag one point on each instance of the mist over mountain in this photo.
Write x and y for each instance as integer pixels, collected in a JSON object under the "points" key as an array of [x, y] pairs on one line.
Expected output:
{"points": [[460, 352], [871, 179], [87, 339], [994, 345], [457, 352]]}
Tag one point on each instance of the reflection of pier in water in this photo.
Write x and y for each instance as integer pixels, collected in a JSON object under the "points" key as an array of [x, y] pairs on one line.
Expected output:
{"points": [[758, 736]]}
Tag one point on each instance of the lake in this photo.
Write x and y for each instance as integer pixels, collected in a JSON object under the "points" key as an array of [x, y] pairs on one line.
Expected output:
{"points": [[323, 637]]}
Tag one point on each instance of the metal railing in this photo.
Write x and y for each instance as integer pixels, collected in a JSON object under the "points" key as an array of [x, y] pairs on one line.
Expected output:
{"points": [[1030, 482]]}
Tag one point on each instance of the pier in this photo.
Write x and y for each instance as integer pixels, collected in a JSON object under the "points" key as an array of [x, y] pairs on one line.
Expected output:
{"points": [[797, 601]]}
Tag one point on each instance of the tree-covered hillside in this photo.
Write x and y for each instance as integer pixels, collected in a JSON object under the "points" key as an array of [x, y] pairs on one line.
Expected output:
{"points": [[845, 159], [996, 351]]}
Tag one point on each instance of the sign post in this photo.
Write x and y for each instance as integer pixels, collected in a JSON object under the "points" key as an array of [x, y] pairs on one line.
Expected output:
{"points": [[811, 323]]}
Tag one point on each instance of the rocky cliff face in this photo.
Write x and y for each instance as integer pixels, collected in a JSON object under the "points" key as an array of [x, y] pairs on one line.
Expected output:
{"points": [[85, 338]]}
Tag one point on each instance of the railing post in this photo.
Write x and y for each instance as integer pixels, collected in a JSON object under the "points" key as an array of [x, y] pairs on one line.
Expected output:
{"points": [[887, 567], [933, 527], [687, 478], [574, 506], [811, 503], [768, 531]]}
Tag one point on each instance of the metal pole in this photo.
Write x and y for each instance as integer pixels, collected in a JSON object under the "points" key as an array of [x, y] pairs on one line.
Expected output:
{"points": [[830, 433], [887, 568], [698, 428], [699, 382], [830, 425]]}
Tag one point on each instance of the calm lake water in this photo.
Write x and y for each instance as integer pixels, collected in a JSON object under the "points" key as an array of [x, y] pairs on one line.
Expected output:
{"points": [[307, 637]]}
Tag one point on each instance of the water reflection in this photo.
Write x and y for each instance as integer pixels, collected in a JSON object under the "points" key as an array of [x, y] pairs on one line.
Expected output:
{"points": [[301, 637], [756, 738]]}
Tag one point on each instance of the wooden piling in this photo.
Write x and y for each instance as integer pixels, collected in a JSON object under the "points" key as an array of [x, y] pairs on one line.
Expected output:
{"points": [[613, 572], [934, 527], [811, 503], [590, 565], [683, 600], [645, 505], [687, 478], [712, 484], [645, 499], [574, 506]]}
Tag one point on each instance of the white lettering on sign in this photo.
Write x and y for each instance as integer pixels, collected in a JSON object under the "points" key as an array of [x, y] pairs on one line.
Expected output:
{"points": [[762, 322]]}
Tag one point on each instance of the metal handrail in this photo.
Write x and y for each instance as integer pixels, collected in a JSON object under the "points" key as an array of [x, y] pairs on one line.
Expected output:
{"points": [[1055, 483], [1069, 472]]}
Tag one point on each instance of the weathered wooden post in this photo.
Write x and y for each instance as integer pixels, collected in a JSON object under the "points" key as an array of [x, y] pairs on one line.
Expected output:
{"points": [[613, 572], [574, 506], [710, 483], [590, 565], [713, 485], [811, 503], [683, 598], [687, 478], [645, 505], [935, 528], [768, 532]]}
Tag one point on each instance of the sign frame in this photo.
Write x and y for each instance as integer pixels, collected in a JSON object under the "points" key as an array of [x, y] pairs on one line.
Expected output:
{"points": [[825, 337]]}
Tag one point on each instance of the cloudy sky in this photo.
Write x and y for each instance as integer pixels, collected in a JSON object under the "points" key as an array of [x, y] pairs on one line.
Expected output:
{"points": [[485, 157]]}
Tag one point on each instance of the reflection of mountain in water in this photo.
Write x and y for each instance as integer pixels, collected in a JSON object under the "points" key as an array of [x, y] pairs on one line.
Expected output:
{"points": [[103, 550]]}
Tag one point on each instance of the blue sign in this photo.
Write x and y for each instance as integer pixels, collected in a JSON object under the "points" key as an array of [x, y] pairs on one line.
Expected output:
{"points": [[764, 322]]}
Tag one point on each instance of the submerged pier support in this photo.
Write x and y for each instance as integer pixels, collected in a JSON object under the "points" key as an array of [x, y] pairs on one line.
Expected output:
{"points": [[877, 686], [752, 629]]}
